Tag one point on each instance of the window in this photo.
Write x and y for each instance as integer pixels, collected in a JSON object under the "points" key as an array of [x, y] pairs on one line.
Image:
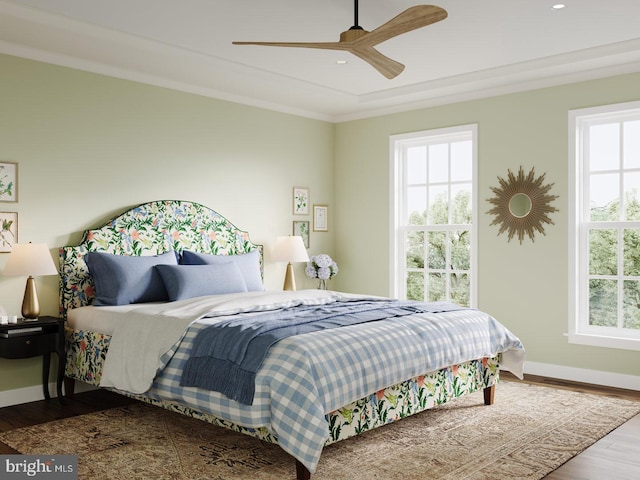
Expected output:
{"points": [[433, 238], [604, 249]]}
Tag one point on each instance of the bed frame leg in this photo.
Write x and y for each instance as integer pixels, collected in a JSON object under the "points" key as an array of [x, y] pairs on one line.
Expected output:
{"points": [[488, 394], [301, 472], [69, 387]]}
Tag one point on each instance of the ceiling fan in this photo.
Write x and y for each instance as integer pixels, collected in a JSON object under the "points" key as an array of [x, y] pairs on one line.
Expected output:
{"points": [[360, 42]]}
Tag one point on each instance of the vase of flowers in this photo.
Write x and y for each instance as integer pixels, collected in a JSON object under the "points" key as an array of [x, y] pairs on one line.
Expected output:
{"points": [[321, 267]]}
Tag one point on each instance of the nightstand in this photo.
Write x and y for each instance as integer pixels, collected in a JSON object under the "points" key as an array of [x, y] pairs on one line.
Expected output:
{"points": [[27, 339]]}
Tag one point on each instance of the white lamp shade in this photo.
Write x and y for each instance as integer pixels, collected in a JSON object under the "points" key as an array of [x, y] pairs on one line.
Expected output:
{"points": [[290, 249], [30, 259]]}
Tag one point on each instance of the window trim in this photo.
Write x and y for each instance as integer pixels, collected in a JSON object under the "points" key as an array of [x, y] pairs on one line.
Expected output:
{"points": [[578, 331], [395, 210]]}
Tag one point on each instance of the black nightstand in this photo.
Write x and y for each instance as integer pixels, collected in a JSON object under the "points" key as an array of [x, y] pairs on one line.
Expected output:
{"points": [[27, 339]]}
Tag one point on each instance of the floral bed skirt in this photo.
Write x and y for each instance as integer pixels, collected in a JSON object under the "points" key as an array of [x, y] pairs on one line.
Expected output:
{"points": [[86, 352]]}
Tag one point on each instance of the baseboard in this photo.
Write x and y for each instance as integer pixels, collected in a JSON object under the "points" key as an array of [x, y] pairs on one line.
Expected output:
{"points": [[596, 377], [34, 393]]}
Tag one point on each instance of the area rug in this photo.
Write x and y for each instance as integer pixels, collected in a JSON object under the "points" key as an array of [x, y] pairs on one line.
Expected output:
{"points": [[527, 433]]}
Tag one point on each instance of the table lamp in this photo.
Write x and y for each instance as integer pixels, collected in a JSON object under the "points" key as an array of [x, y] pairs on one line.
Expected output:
{"points": [[29, 259], [290, 249]]}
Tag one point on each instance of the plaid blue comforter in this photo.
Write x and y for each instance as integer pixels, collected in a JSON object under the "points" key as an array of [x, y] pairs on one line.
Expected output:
{"points": [[306, 376], [226, 356]]}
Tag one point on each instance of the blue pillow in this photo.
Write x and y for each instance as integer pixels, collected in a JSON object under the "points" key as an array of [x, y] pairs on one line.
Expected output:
{"points": [[124, 279], [188, 281], [248, 263]]}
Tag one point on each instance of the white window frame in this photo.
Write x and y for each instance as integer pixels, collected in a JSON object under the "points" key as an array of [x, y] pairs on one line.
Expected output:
{"points": [[397, 257], [579, 331]]}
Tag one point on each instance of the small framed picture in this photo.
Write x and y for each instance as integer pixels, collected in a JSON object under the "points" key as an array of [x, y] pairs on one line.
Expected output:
{"points": [[8, 182], [320, 220], [300, 201], [8, 230], [301, 229]]}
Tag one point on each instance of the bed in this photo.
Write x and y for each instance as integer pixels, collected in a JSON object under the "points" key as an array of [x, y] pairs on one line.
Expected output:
{"points": [[311, 389]]}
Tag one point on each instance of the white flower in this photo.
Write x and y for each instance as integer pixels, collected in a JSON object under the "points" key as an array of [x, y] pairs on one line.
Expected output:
{"points": [[324, 273], [323, 260], [334, 268], [310, 271], [321, 266]]}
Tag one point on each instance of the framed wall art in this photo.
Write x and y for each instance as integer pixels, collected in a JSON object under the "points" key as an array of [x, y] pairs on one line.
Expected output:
{"points": [[300, 201], [301, 229], [320, 218], [8, 230], [8, 182]]}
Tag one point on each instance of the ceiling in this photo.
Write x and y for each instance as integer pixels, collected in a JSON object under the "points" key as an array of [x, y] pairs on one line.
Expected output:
{"points": [[483, 48]]}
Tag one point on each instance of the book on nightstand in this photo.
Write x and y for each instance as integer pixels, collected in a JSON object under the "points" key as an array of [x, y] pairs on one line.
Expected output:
{"points": [[16, 332]]}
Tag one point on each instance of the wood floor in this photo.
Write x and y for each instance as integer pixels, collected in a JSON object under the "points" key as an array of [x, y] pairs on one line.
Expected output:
{"points": [[615, 457]]}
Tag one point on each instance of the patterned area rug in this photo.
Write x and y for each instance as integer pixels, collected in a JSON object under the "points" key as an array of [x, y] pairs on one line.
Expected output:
{"points": [[529, 432]]}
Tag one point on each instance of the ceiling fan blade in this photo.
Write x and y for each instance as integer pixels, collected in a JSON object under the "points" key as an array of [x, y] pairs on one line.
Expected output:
{"points": [[321, 45], [411, 19], [385, 65]]}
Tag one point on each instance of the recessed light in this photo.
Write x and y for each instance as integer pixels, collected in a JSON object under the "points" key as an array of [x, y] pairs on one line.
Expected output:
{"points": [[341, 62], [558, 6]]}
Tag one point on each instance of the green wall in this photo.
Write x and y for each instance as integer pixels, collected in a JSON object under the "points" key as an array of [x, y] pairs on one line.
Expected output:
{"points": [[91, 146], [524, 286]]}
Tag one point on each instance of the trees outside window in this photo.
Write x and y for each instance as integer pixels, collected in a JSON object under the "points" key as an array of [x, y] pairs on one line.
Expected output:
{"points": [[434, 209], [604, 232]]}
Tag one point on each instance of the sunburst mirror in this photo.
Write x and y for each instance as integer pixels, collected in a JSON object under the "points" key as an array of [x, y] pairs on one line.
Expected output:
{"points": [[522, 204]]}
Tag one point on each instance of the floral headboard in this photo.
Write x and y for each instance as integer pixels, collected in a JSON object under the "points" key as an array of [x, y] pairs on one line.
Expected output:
{"points": [[148, 229]]}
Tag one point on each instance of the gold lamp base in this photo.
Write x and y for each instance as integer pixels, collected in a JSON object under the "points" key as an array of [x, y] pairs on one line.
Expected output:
{"points": [[289, 278], [30, 304]]}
